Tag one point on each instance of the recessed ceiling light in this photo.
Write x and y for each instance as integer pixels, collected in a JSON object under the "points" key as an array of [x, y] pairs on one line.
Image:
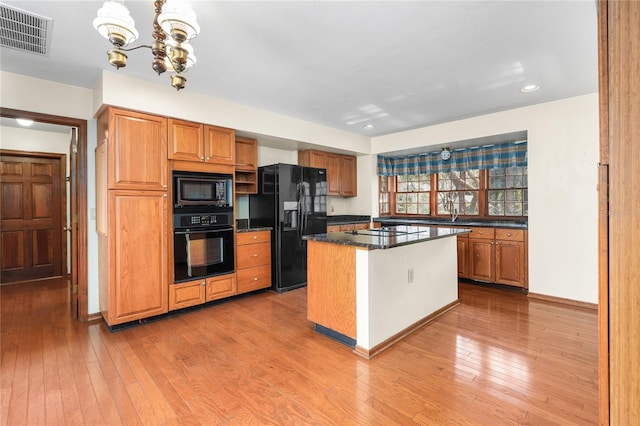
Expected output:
{"points": [[24, 122], [369, 126], [530, 88]]}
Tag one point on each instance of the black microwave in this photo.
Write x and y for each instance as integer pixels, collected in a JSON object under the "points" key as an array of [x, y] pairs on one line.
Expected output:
{"points": [[202, 189]]}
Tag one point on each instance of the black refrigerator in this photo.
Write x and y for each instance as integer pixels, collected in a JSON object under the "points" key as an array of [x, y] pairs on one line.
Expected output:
{"points": [[293, 201]]}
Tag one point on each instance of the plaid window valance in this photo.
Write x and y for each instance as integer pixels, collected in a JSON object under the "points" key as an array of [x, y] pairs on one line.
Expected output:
{"points": [[482, 157]]}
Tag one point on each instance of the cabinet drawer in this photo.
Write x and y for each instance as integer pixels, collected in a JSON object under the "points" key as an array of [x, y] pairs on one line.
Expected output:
{"points": [[254, 278], [253, 237], [333, 228], [510, 234], [482, 233], [251, 255]]}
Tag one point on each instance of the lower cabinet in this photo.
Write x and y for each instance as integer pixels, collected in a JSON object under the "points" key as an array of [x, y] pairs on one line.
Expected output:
{"points": [[253, 261], [347, 227], [463, 256], [133, 273], [498, 256], [197, 292]]}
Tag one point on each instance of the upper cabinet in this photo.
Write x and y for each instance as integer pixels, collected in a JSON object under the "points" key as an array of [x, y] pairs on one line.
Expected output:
{"points": [[341, 170], [137, 149], [196, 142], [246, 166]]}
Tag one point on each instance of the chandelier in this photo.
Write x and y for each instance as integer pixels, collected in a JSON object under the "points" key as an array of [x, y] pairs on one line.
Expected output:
{"points": [[173, 18]]}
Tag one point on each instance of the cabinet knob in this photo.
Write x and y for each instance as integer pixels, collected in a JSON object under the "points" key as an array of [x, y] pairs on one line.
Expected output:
{"points": [[164, 195], [508, 234], [202, 158], [208, 158], [164, 186], [255, 238], [255, 279], [204, 283], [255, 255]]}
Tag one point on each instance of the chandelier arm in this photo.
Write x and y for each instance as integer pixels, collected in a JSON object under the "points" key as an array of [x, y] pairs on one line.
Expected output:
{"points": [[129, 49]]}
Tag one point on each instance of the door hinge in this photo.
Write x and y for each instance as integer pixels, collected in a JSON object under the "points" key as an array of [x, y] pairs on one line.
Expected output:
{"points": [[74, 218], [74, 289]]}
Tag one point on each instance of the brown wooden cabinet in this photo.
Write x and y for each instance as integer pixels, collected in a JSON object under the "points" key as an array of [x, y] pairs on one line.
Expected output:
{"points": [[132, 215], [200, 291], [189, 141], [186, 294], [136, 150], [463, 256], [498, 256], [246, 172], [347, 227], [253, 260], [342, 172]]}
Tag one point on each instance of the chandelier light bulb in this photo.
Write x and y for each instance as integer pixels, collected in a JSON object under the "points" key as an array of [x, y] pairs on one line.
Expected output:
{"points": [[178, 20], [115, 24]]}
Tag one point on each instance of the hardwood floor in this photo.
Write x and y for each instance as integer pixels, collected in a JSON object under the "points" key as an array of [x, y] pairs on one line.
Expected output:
{"points": [[497, 359]]}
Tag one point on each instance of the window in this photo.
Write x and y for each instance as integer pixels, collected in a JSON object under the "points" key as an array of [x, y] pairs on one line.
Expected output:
{"points": [[458, 192], [507, 192], [413, 194], [383, 200], [476, 193]]}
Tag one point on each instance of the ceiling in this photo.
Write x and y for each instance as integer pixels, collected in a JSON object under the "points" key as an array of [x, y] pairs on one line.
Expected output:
{"points": [[397, 65]]}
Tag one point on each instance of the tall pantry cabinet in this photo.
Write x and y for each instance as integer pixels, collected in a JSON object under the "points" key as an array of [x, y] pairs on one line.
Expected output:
{"points": [[131, 215]]}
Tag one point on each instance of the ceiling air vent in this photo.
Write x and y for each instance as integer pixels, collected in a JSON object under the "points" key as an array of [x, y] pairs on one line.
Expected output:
{"points": [[25, 31]]}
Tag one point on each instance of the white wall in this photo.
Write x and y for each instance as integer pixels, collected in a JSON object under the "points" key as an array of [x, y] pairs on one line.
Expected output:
{"points": [[563, 143]]}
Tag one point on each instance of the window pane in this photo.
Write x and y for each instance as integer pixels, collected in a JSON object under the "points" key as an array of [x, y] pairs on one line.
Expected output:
{"points": [[401, 198], [423, 208], [496, 182], [412, 209], [423, 198], [412, 198], [402, 187], [400, 208]]}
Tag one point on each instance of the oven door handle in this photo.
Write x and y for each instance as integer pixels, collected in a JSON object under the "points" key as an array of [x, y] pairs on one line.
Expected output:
{"points": [[202, 231]]}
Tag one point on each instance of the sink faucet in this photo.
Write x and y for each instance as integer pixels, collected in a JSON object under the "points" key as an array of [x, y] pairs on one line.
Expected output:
{"points": [[454, 214]]}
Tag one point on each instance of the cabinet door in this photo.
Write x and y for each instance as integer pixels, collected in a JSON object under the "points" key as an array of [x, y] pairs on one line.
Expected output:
{"points": [[186, 294], [138, 285], [246, 154], [481, 260], [510, 257], [137, 151], [318, 159], [463, 257], [186, 140], [333, 174], [219, 145], [361, 226], [348, 176], [333, 228], [220, 287]]}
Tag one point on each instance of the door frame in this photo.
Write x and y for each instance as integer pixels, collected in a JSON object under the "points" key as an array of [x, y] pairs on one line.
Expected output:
{"points": [[78, 209], [61, 158]]}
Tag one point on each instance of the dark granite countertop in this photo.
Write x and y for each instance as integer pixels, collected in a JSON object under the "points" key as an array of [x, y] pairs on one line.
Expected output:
{"points": [[388, 236], [347, 218], [444, 222], [262, 228]]}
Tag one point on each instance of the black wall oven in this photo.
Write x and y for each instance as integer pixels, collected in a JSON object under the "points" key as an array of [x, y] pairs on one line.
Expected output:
{"points": [[202, 231]]}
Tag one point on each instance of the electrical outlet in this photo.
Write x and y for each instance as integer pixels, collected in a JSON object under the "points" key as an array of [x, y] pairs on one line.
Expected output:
{"points": [[410, 275]]}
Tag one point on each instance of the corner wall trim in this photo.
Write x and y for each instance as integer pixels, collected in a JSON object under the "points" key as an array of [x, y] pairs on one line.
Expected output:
{"points": [[563, 301]]}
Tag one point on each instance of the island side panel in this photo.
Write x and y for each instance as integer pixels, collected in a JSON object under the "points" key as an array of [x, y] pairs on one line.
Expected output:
{"points": [[331, 286], [394, 303]]}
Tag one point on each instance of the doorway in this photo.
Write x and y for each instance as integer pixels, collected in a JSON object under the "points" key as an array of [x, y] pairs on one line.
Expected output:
{"points": [[33, 200], [78, 286]]}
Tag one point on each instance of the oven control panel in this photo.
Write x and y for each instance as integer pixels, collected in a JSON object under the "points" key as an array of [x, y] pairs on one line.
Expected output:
{"points": [[199, 220]]}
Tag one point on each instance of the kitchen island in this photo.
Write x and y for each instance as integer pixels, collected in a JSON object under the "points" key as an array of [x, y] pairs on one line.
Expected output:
{"points": [[370, 288]]}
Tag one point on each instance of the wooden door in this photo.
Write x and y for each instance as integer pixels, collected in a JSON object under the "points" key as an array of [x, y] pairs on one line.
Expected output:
{"points": [[186, 140], [31, 202], [348, 176], [137, 255], [219, 145], [510, 263], [481, 261], [463, 257], [138, 147], [333, 174]]}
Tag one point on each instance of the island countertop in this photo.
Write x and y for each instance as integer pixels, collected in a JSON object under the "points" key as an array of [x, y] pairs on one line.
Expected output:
{"points": [[387, 236]]}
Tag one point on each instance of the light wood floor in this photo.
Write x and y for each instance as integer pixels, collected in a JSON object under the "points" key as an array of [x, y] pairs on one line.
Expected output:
{"points": [[498, 359]]}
